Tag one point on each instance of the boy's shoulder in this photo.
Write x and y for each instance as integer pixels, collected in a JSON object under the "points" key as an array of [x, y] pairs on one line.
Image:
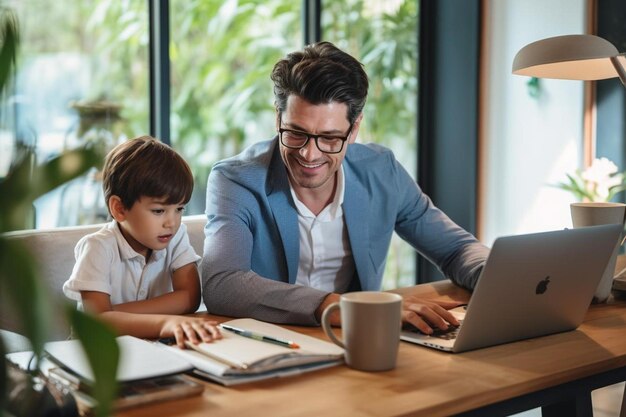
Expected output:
{"points": [[105, 238]]}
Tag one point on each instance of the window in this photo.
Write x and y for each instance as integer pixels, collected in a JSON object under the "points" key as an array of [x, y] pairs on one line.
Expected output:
{"points": [[83, 75], [610, 94], [222, 54]]}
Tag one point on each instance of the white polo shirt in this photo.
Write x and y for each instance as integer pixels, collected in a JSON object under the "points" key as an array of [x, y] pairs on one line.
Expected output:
{"points": [[326, 261], [105, 262]]}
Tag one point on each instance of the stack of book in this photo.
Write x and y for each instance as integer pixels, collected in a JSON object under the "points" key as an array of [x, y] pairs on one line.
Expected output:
{"points": [[250, 350], [146, 374]]}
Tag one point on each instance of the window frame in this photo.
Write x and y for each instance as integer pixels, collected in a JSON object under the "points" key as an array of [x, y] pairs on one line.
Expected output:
{"points": [[449, 47]]}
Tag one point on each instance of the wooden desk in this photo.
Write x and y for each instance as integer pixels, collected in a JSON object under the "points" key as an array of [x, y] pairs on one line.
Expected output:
{"points": [[556, 371]]}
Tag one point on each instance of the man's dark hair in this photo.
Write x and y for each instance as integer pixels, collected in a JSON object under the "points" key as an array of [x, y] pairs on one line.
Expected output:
{"points": [[145, 167], [320, 74]]}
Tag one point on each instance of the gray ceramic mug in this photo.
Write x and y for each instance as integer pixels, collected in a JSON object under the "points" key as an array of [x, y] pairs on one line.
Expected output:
{"points": [[370, 323]]}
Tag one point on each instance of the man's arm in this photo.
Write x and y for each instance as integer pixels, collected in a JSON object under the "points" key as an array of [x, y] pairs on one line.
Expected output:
{"points": [[456, 252], [246, 294], [465, 265], [335, 318], [229, 286]]}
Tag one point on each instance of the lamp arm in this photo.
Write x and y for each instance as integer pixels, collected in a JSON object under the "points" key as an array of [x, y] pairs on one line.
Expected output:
{"points": [[619, 67]]}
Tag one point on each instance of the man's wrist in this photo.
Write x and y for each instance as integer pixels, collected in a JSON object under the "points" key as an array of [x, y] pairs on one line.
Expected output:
{"points": [[335, 318]]}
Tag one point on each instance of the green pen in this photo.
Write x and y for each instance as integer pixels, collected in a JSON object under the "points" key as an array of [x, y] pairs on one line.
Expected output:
{"points": [[260, 337]]}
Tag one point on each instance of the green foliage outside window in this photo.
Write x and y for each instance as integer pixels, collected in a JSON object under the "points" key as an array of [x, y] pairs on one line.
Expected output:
{"points": [[385, 40], [384, 37], [222, 53]]}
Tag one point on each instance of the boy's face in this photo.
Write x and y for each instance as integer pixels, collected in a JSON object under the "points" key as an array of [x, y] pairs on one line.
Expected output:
{"points": [[150, 223]]}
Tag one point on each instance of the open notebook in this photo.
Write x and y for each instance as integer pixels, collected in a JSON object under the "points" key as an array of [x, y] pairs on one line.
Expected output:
{"points": [[232, 360], [237, 359]]}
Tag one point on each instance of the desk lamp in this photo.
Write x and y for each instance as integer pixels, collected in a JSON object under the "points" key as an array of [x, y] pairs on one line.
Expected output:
{"points": [[573, 57]]}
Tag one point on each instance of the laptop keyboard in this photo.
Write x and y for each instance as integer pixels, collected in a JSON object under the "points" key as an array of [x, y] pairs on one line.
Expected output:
{"points": [[448, 334]]}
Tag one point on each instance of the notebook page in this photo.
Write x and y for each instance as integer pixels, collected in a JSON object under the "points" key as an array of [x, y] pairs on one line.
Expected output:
{"points": [[243, 352]]}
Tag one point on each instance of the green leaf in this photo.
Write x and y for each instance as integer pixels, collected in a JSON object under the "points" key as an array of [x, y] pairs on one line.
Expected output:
{"points": [[62, 169], [18, 281], [27, 182], [614, 190], [103, 353], [577, 183], [10, 39]]}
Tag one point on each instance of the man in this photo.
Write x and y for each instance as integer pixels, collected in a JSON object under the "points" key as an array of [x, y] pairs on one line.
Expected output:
{"points": [[297, 220]]}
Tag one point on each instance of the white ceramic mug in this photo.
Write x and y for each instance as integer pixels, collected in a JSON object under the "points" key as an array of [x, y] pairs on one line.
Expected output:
{"points": [[594, 214], [370, 323]]}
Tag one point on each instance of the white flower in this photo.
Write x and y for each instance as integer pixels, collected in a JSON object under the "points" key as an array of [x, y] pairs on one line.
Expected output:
{"points": [[599, 171], [600, 177], [599, 182]]}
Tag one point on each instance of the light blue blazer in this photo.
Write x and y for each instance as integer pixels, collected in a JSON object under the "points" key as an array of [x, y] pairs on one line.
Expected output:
{"points": [[251, 250]]}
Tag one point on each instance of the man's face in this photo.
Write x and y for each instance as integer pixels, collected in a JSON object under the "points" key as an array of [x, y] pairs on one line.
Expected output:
{"points": [[308, 167]]}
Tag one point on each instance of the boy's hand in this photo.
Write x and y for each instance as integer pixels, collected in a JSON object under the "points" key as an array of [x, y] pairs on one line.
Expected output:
{"points": [[194, 329]]}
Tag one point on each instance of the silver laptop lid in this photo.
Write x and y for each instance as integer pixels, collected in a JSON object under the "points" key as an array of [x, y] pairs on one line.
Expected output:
{"points": [[536, 284]]}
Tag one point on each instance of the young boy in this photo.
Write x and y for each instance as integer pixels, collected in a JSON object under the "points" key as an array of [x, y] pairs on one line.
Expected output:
{"points": [[139, 272]]}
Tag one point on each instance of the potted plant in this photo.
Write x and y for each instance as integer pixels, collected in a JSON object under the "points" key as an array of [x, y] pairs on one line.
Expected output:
{"points": [[599, 182], [19, 285]]}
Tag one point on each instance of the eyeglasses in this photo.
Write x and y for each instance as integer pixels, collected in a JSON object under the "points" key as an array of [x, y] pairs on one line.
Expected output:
{"points": [[296, 139]]}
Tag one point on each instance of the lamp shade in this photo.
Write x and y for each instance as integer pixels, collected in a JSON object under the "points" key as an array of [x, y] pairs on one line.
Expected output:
{"points": [[569, 57]]}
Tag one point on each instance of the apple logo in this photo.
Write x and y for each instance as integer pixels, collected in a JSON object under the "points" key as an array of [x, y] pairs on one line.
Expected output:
{"points": [[542, 286]]}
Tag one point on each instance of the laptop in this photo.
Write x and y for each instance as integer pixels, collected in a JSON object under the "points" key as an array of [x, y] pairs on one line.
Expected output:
{"points": [[532, 285]]}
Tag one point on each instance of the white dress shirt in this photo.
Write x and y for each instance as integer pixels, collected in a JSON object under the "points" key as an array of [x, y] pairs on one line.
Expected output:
{"points": [[326, 261]]}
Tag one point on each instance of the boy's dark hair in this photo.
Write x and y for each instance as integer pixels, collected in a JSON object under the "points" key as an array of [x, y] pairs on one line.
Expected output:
{"points": [[146, 167], [321, 73]]}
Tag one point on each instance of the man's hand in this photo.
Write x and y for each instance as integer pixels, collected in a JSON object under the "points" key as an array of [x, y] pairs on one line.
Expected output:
{"points": [[426, 313], [423, 313]]}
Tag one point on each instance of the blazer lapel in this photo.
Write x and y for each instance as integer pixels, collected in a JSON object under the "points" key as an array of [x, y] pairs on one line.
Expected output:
{"points": [[356, 215], [284, 212]]}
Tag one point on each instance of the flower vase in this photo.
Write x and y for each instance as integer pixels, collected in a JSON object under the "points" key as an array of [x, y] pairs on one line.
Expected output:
{"points": [[594, 214]]}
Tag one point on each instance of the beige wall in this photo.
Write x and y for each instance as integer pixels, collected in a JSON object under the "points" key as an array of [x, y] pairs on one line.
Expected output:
{"points": [[527, 143]]}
